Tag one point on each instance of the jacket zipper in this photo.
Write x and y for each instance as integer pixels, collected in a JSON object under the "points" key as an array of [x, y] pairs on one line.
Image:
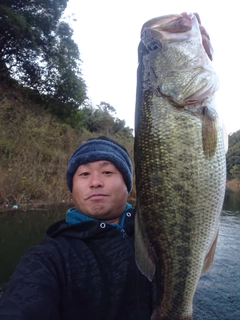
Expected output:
{"points": [[124, 234]]}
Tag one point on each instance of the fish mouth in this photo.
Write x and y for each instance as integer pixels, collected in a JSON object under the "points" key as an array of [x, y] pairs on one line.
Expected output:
{"points": [[178, 24], [173, 23]]}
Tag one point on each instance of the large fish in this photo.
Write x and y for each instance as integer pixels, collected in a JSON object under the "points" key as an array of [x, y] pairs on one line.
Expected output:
{"points": [[180, 162]]}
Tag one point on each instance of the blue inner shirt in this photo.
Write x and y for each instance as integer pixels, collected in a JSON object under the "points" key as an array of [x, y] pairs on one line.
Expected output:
{"points": [[74, 216]]}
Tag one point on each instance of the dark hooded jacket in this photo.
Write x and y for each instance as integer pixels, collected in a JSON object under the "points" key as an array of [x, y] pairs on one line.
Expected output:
{"points": [[84, 270]]}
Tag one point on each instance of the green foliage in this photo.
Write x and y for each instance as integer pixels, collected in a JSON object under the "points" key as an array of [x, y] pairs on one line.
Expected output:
{"points": [[235, 172], [233, 156], [37, 49], [101, 120]]}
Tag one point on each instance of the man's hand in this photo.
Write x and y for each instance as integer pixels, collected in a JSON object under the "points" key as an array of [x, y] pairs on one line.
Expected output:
{"points": [[205, 38]]}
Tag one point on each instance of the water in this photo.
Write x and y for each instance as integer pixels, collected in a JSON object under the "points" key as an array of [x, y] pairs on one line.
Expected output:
{"points": [[218, 292], [21, 230]]}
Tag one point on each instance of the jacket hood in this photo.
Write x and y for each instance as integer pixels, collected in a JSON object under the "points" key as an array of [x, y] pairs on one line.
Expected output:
{"points": [[91, 228]]}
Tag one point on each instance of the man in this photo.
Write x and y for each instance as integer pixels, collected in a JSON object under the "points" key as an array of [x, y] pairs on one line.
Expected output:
{"points": [[85, 267]]}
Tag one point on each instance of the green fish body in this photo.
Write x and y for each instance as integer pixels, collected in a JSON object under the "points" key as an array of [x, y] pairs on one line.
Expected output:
{"points": [[180, 162]]}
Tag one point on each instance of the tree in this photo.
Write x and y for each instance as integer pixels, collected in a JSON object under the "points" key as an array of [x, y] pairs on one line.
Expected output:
{"points": [[102, 122], [106, 108], [37, 49], [235, 171], [233, 156]]}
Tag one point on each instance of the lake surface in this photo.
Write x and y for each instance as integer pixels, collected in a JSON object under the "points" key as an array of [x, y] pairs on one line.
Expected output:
{"points": [[218, 292]]}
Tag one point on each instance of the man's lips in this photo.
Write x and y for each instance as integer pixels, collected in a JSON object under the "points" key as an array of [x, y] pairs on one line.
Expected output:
{"points": [[96, 196]]}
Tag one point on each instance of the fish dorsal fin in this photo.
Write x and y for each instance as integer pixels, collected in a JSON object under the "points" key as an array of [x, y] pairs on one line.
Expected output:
{"points": [[143, 261]]}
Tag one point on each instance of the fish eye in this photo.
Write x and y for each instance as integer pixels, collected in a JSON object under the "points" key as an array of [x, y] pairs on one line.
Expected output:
{"points": [[154, 45]]}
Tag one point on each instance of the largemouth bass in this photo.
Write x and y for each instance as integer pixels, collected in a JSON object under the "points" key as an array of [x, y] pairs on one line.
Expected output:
{"points": [[180, 162]]}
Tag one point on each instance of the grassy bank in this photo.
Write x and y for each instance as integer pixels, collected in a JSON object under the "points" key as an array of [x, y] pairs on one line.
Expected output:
{"points": [[34, 151]]}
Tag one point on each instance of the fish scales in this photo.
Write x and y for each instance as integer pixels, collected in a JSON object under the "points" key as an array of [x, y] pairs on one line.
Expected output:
{"points": [[180, 167]]}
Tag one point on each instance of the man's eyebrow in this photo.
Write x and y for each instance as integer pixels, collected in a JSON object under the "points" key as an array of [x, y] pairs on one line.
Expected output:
{"points": [[102, 163], [105, 163]]}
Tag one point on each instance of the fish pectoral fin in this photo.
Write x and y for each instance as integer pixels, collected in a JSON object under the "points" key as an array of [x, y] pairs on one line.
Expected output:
{"points": [[209, 135], [210, 255], [143, 260]]}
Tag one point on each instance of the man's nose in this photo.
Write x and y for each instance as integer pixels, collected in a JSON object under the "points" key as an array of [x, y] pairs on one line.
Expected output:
{"points": [[96, 181]]}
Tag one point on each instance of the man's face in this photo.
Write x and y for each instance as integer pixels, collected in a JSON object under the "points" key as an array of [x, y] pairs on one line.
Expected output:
{"points": [[99, 191]]}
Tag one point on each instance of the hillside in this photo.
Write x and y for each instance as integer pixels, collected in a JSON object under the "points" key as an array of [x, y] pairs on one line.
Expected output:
{"points": [[34, 151], [35, 147], [233, 156]]}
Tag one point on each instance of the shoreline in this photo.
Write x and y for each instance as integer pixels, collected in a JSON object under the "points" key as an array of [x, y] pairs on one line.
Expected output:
{"points": [[233, 185], [35, 206]]}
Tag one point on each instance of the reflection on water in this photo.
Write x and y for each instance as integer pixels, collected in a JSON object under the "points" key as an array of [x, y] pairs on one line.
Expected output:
{"points": [[232, 201], [218, 292], [19, 231]]}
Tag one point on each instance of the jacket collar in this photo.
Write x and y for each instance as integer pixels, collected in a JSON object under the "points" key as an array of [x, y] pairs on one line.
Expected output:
{"points": [[73, 216], [93, 228]]}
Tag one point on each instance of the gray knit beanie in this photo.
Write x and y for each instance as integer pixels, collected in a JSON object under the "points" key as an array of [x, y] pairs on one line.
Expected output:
{"points": [[100, 149]]}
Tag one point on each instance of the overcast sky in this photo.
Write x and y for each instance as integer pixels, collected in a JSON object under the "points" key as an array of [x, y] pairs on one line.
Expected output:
{"points": [[108, 32]]}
